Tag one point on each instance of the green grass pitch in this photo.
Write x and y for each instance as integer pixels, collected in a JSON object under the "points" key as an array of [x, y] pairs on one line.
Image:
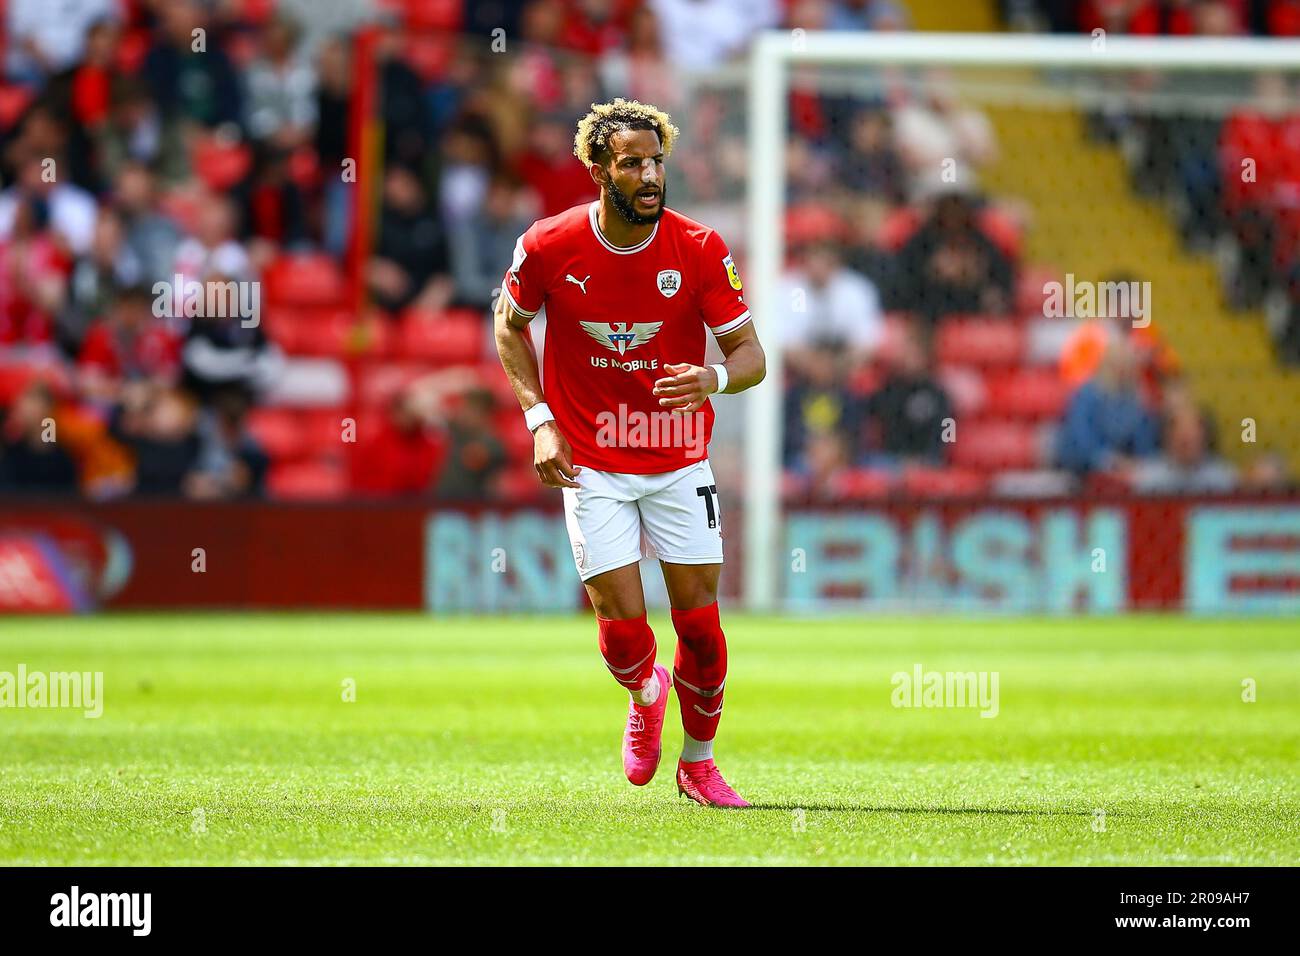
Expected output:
{"points": [[225, 739]]}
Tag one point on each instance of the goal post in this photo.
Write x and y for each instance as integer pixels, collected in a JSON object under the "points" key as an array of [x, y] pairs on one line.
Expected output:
{"points": [[772, 58]]}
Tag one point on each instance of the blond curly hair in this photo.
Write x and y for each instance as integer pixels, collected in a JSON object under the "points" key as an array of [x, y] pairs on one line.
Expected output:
{"points": [[606, 119]]}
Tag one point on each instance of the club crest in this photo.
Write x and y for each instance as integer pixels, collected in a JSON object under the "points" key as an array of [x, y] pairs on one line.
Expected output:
{"points": [[670, 280]]}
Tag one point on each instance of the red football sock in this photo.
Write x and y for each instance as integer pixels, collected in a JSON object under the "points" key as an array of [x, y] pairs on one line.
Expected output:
{"points": [[628, 647], [700, 670]]}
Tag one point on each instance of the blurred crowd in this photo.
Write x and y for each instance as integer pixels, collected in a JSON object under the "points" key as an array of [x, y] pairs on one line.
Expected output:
{"points": [[164, 141]]}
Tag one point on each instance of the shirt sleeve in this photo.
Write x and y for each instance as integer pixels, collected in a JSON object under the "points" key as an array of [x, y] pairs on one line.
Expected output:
{"points": [[524, 283], [722, 306]]}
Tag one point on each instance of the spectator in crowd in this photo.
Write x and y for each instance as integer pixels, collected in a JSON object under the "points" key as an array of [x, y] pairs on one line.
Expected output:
{"points": [[31, 458], [230, 464], [277, 208], [1084, 347], [548, 168], [820, 400], [1288, 334], [638, 69], [409, 131], [280, 109], [213, 249], [159, 425], [1267, 472], [932, 128], [190, 73], [222, 352], [878, 15], [826, 462], [824, 302], [333, 99], [110, 265], [468, 159], [136, 134], [33, 277], [487, 240], [910, 410], [475, 456], [411, 262], [869, 160], [128, 344], [950, 266], [44, 39], [1186, 463], [1107, 426], [701, 34], [403, 458], [151, 237], [69, 210]]}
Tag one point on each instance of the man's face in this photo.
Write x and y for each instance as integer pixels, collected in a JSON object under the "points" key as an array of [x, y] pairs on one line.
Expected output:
{"points": [[634, 176]]}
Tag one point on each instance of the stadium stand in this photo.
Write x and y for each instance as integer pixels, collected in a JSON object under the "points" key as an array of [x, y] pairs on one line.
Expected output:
{"points": [[377, 316]]}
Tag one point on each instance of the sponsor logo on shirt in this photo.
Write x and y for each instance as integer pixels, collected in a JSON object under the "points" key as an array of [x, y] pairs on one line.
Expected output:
{"points": [[732, 275], [622, 336]]}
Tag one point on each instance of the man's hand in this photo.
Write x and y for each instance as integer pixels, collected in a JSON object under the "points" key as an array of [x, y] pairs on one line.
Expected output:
{"points": [[687, 388], [553, 458]]}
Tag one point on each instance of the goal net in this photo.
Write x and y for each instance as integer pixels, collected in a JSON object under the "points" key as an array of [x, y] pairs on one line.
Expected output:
{"points": [[1032, 312]]}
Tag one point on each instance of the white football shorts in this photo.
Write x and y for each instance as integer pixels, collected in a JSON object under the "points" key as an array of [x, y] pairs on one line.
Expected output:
{"points": [[616, 519]]}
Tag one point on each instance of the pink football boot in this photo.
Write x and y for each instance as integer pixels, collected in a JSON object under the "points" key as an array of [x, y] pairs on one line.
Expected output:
{"points": [[703, 783], [645, 726]]}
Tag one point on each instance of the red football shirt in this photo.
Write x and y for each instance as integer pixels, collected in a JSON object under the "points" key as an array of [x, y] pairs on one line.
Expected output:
{"points": [[614, 318]]}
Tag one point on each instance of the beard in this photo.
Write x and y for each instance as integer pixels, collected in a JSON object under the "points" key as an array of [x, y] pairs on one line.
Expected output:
{"points": [[627, 209]]}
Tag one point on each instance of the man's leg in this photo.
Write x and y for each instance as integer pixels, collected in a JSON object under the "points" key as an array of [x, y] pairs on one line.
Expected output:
{"points": [[700, 675], [700, 667], [626, 642], [628, 646]]}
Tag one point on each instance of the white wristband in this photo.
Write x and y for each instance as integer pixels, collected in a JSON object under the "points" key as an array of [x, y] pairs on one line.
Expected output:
{"points": [[723, 378], [537, 416]]}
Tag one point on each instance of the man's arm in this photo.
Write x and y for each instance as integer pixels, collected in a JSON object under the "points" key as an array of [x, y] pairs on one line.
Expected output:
{"points": [[552, 455], [689, 385]]}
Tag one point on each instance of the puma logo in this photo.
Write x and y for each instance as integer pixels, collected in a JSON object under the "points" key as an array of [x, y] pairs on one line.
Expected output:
{"points": [[708, 713], [581, 285]]}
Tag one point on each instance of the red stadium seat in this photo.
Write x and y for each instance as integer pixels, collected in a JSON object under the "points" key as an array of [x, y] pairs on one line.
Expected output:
{"points": [[943, 482], [280, 433], [863, 484], [429, 56], [1003, 230], [897, 227], [327, 332], [1027, 394], [308, 480], [1029, 289], [446, 15], [510, 428], [132, 50], [13, 100], [518, 484], [378, 382], [305, 280], [811, 221], [965, 386], [995, 446], [451, 338], [220, 165], [979, 341]]}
